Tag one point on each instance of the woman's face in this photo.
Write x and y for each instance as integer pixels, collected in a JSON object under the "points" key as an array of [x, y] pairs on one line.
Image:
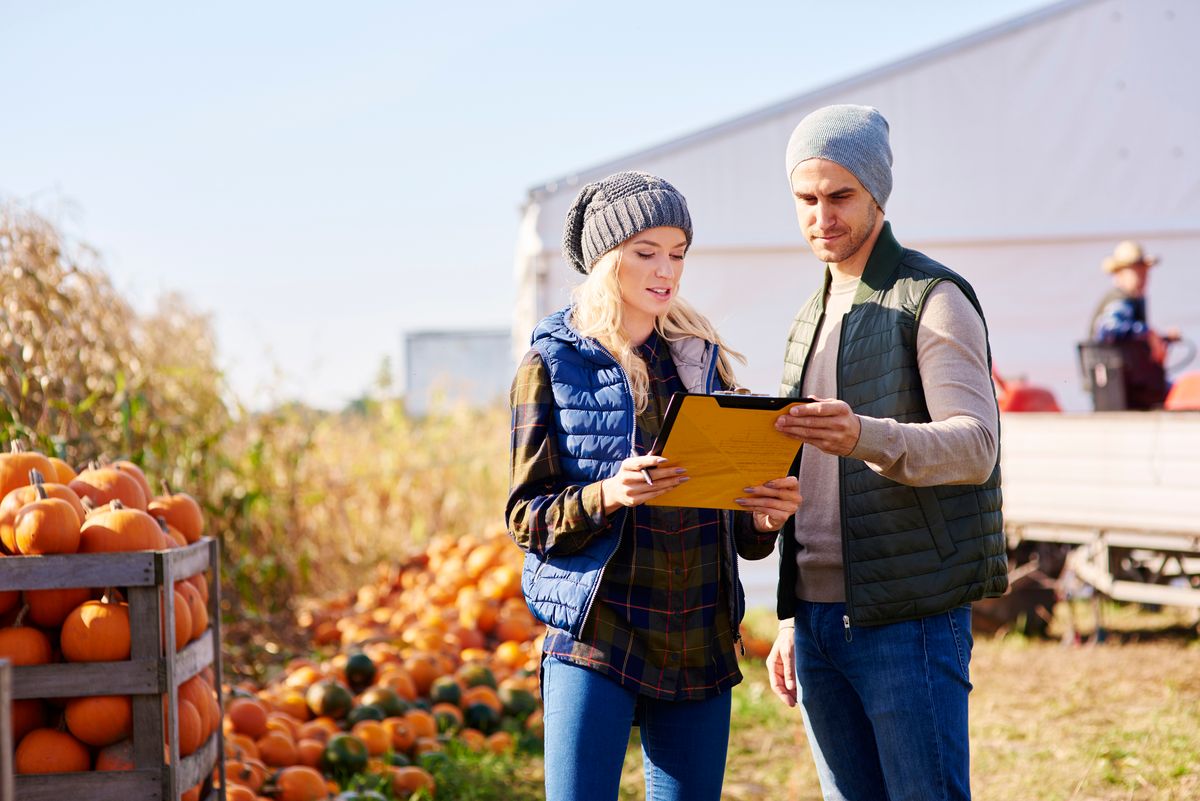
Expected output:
{"points": [[649, 272]]}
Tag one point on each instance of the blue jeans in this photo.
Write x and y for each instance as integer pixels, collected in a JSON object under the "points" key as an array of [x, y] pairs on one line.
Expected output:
{"points": [[588, 720], [886, 712]]}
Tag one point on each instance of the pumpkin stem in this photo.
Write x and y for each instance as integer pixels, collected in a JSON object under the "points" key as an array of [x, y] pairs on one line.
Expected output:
{"points": [[41, 491], [36, 477], [94, 464], [19, 620], [16, 447], [166, 488], [162, 523], [88, 504], [116, 504]]}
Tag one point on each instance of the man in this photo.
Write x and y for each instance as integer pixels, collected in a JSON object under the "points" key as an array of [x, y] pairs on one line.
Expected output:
{"points": [[900, 527], [1120, 322]]}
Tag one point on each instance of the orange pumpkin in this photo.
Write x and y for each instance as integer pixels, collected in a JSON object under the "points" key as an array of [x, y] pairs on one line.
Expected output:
{"points": [[27, 715], [49, 608], [197, 692], [191, 736], [300, 783], [402, 733], [118, 756], [248, 716], [134, 472], [100, 720], [238, 792], [63, 472], [15, 500], [50, 751], [196, 607], [24, 645], [15, 467], [183, 621], [277, 749], [407, 780], [96, 631], [200, 582], [120, 529], [171, 536], [106, 484], [46, 526], [309, 752], [246, 772], [377, 739], [9, 600], [181, 511], [422, 723]]}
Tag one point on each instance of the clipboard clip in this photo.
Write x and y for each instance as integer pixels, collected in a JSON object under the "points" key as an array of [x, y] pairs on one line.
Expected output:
{"points": [[740, 391]]}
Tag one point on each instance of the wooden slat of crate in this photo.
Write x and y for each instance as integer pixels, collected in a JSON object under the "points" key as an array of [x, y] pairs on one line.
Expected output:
{"points": [[195, 656], [195, 767], [6, 743], [214, 617], [83, 678], [78, 570], [136, 569], [118, 786], [142, 785]]}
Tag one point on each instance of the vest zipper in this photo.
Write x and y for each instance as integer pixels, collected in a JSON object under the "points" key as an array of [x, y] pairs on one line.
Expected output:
{"points": [[846, 618], [620, 532]]}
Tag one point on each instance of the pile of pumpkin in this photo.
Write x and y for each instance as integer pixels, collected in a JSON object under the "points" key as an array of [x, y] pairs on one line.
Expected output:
{"points": [[439, 649], [46, 509]]}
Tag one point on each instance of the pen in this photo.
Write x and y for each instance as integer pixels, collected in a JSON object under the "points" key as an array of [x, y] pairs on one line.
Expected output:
{"points": [[646, 475]]}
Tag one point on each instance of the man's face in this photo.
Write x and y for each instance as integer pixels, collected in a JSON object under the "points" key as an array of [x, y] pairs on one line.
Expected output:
{"points": [[1132, 279], [836, 213]]}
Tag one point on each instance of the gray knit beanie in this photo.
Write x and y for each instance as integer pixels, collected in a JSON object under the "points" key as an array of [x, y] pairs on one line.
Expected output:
{"points": [[609, 211], [855, 137]]}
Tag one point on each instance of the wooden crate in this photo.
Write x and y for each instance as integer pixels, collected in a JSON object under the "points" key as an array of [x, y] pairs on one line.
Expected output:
{"points": [[145, 677]]}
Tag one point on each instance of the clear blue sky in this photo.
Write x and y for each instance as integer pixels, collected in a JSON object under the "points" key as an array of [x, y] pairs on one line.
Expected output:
{"points": [[322, 177]]}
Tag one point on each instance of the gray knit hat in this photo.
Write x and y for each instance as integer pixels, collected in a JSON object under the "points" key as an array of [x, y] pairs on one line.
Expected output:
{"points": [[855, 137], [609, 211]]}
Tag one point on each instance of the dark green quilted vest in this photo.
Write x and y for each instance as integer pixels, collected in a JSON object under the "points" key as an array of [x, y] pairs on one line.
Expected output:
{"points": [[908, 552]]}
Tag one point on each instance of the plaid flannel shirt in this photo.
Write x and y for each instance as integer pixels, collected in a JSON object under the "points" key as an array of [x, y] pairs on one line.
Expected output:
{"points": [[661, 623]]}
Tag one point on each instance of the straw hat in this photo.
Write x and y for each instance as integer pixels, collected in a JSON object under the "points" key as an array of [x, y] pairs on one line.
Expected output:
{"points": [[1127, 254]]}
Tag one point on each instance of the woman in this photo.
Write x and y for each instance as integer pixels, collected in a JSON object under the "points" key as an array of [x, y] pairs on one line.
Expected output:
{"points": [[643, 603]]}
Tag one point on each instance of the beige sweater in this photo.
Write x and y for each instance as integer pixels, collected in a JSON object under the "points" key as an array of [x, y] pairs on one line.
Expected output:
{"points": [[958, 447]]}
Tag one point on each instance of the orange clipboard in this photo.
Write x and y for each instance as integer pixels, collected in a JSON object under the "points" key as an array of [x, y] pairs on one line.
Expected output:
{"points": [[727, 443]]}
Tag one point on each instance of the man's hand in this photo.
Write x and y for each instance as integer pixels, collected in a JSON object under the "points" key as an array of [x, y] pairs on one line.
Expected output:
{"points": [[827, 424], [781, 666]]}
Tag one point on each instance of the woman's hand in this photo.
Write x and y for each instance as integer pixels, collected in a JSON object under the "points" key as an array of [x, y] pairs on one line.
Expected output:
{"points": [[772, 503], [628, 487]]}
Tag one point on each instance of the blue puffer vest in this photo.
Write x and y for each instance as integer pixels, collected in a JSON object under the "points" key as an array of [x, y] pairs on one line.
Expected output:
{"points": [[594, 428]]}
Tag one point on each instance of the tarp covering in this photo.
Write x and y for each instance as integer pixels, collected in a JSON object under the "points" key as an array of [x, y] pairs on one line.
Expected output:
{"points": [[1022, 155]]}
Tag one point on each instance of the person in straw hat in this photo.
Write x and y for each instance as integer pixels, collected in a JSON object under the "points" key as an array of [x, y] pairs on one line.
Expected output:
{"points": [[1121, 314], [1119, 321]]}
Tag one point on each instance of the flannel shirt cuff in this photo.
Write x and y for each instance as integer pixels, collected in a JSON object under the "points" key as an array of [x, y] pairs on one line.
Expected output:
{"points": [[593, 507]]}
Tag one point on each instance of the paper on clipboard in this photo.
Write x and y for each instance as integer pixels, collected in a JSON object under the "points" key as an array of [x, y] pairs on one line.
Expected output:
{"points": [[727, 443]]}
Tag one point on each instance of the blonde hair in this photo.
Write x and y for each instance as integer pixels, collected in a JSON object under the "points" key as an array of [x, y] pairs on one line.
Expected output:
{"points": [[598, 313]]}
